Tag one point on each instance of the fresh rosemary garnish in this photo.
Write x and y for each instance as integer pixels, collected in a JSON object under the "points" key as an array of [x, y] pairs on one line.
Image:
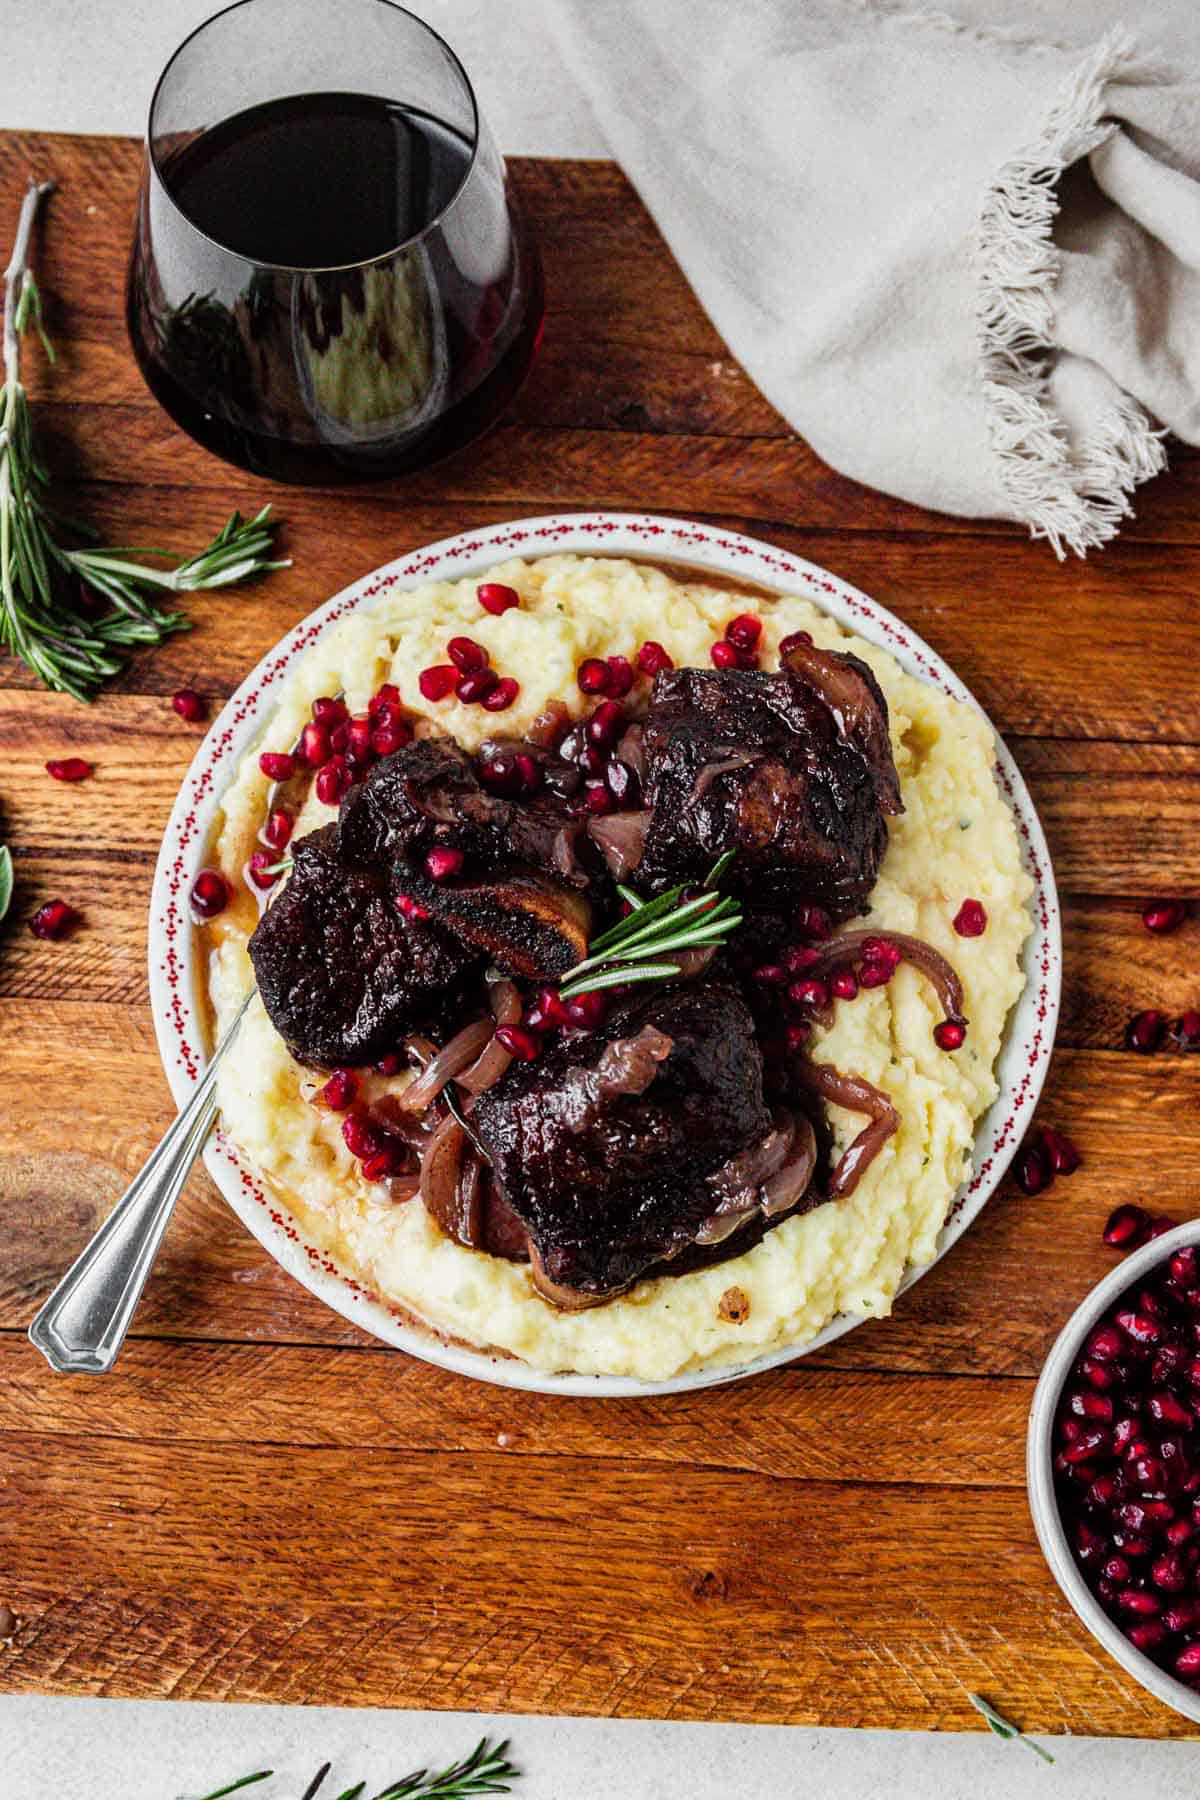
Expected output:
{"points": [[41, 580], [486, 1771], [1004, 1728], [633, 948], [6, 879]]}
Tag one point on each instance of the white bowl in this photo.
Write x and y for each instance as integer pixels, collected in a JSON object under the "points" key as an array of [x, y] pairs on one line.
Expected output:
{"points": [[173, 972], [1043, 1503]]}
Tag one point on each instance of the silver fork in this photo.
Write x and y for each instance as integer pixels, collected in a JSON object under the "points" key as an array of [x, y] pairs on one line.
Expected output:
{"points": [[82, 1326]]}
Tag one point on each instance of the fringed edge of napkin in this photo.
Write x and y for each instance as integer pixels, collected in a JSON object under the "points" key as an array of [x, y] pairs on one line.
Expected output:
{"points": [[1077, 497]]}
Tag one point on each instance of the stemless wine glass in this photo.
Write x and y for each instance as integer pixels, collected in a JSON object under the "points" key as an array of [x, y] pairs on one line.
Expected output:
{"points": [[330, 278]]}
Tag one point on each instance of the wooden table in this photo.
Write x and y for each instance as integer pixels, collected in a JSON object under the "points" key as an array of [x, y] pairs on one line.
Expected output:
{"points": [[262, 1504]]}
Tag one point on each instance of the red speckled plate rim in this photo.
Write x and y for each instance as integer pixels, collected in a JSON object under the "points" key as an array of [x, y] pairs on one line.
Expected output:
{"points": [[1024, 1056]]}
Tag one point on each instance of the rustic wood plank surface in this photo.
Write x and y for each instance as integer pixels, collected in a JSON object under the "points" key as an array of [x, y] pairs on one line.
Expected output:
{"points": [[263, 1504]]}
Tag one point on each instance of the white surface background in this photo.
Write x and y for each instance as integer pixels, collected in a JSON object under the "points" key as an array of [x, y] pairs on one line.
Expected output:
{"points": [[90, 65]]}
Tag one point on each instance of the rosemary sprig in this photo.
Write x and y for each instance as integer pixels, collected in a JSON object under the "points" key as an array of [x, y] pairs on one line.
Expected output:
{"points": [[486, 1770], [1004, 1728], [633, 948], [6, 879], [41, 575]]}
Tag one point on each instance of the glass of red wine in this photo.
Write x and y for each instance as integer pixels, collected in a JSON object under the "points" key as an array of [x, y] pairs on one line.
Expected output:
{"points": [[330, 279]]}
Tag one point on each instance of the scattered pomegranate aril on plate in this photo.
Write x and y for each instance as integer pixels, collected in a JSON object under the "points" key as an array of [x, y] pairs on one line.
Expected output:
{"points": [[54, 920], [502, 695], [620, 676], [526, 1046], [314, 749], [744, 631], [442, 863], [210, 894], [189, 705], [1164, 915], [476, 685], [328, 711], [843, 984], [277, 765], [261, 870], [438, 681], [874, 975], [391, 1064], [971, 919], [587, 1010], [385, 698], [950, 1035], [68, 768], [333, 781], [387, 739], [361, 1138], [593, 676], [1146, 1031], [652, 659], [496, 598], [723, 655], [606, 724], [810, 993], [341, 1090], [467, 655]]}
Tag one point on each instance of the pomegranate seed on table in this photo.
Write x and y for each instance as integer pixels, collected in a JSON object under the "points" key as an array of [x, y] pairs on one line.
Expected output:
{"points": [[1064, 1157], [496, 598], [314, 749], [723, 655], [951, 1034], [594, 676], [793, 640], [1032, 1168], [502, 695], [1185, 1032], [333, 782], [1164, 915], [341, 1090], [476, 686], [467, 655], [1145, 1031], [68, 768], [606, 724], [436, 682], [1128, 1228], [442, 863], [524, 1045], [189, 705], [652, 659], [1160, 1226], [210, 894], [277, 765], [54, 920], [971, 919]]}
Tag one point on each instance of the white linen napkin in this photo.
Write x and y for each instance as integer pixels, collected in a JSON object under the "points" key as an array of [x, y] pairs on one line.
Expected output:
{"points": [[961, 260]]}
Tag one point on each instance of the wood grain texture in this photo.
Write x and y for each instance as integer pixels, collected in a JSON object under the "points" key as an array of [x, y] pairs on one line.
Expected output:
{"points": [[262, 1502]]}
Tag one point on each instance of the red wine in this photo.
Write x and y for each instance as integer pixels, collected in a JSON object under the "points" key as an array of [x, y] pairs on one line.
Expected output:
{"points": [[312, 304]]}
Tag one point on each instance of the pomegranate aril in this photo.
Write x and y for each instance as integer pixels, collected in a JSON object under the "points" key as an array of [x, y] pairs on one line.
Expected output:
{"points": [[496, 598], [383, 1163], [330, 712], [1140, 1603], [1187, 1663], [529, 769], [1148, 1634], [815, 923], [210, 894], [1130, 1544], [68, 768], [598, 800], [1127, 1227], [1182, 1267], [387, 739], [499, 773], [587, 1010], [622, 783], [1117, 1569], [843, 984], [261, 868], [339, 737], [951, 1034], [333, 782], [409, 908], [443, 864], [391, 1064], [1179, 1532], [277, 765], [53, 920], [358, 740], [1126, 1433], [341, 1090], [1032, 1168], [1097, 1374], [525, 1045], [1169, 1360], [652, 659], [1161, 1224], [1089, 1544], [502, 695], [606, 724], [1064, 1157], [1094, 1441], [744, 631], [1164, 915], [800, 957], [793, 640], [875, 975], [467, 655], [723, 655], [1165, 1409], [1107, 1343], [971, 919], [593, 676], [189, 705], [475, 687], [553, 1007], [1185, 1032], [361, 1138], [436, 682], [881, 950], [385, 699], [797, 1036], [1145, 1032], [1103, 1491], [1091, 1406], [1140, 1327], [314, 749], [811, 993], [620, 676]]}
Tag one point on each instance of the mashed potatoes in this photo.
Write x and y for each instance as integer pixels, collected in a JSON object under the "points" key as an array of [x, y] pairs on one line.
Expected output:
{"points": [[955, 839]]}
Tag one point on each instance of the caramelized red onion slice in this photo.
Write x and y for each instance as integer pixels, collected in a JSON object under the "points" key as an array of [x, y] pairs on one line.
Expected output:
{"points": [[788, 1186], [505, 1003], [404, 1187], [856, 712], [441, 1170], [448, 1062], [770, 1177], [566, 1299], [723, 765], [620, 839], [860, 1096], [693, 962], [932, 964], [632, 750]]}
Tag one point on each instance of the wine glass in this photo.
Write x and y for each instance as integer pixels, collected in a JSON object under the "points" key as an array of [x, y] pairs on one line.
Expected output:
{"points": [[330, 278]]}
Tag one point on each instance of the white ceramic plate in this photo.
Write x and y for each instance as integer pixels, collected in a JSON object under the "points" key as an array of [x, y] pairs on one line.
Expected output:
{"points": [[173, 971]]}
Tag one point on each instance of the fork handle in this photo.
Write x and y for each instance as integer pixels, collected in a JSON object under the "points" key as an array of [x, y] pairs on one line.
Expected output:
{"points": [[82, 1326]]}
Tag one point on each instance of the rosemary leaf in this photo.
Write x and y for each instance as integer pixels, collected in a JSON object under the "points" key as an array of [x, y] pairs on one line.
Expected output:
{"points": [[620, 976], [1004, 1728], [653, 929], [246, 1781], [6, 879]]}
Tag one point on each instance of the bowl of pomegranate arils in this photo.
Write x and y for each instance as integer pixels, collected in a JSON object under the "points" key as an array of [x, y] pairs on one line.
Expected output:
{"points": [[653, 954], [1114, 1464]]}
